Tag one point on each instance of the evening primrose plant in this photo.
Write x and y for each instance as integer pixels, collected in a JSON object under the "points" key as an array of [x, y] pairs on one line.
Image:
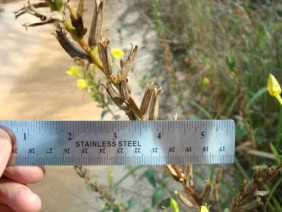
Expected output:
{"points": [[80, 77], [104, 72]]}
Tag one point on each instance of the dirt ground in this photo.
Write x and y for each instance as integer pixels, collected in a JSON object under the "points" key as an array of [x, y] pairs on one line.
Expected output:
{"points": [[34, 86]]}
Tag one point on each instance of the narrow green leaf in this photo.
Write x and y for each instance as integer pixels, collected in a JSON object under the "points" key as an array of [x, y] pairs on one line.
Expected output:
{"points": [[164, 204], [157, 196], [256, 96], [104, 113], [132, 202], [149, 174]]}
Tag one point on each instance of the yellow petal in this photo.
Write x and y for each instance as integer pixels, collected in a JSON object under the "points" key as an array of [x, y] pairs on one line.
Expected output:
{"points": [[206, 80], [73, 71], [273, 86], [117, 53], [173, 204], [82, 84], [204, 209]]}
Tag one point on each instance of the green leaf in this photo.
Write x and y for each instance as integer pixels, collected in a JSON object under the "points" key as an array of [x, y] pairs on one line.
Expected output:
{"points": [[104, 113], [275, 152], [157, 196], [132, 202], [231, 62], [200, 108], [59, 4], [164, 204], [256, 96], [150, 176]]}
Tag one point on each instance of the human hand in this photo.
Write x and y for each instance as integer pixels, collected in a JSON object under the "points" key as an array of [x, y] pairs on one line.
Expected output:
{"points": [[14, 193]]}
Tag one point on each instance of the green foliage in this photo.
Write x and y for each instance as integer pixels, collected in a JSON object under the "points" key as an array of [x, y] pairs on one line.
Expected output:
{"points": [[157, 195], [235, 45]]}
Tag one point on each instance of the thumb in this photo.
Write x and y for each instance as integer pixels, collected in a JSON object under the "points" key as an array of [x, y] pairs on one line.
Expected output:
{"points": [[5, 150]]}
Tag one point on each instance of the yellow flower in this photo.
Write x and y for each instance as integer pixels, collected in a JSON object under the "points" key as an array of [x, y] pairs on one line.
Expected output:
{"points": [[73, 71], [203, 209], [206, 80], [117, 53], [274, 88], [82, 84]]}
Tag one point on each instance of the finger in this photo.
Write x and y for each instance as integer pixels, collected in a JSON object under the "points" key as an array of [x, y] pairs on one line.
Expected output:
{"points": [[25, 174], [18, 197], [5, 208], [5, 150]]}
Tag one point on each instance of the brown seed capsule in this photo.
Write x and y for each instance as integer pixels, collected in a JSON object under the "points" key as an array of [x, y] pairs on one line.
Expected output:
{"points": [[106, 58], [77, 20], [80, 8], [128, 79], [113, 94], [184, 200], [96, 25], [29, 9], [154, 106], [131, 115], [67, 45], [127, 64], [149, 89], [124, 90]]}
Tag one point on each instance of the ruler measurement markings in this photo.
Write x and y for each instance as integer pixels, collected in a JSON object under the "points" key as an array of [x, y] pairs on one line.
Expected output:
{"points": [[47, 128]]}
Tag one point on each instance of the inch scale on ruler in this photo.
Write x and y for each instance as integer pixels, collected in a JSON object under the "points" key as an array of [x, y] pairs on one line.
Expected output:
{"points": [[121, 142]]}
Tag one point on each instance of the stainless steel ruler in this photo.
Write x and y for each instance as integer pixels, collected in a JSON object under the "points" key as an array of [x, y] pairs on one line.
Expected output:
{"points": [[121, 142]]}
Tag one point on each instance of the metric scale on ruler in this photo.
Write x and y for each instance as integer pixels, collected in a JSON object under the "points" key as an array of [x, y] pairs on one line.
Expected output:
{"points": [[121, 142]]}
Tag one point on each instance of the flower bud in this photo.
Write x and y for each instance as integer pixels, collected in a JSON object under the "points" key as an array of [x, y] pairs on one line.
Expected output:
{"points": [[273, 86]]}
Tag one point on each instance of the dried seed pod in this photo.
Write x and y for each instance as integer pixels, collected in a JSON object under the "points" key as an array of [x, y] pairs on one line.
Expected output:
{"points": [[149, 89], [184, 200], [131, 115], [25, 10], [154, 106], [127, 64], [215, 194], [105, 55], [115, 97], [207, 189], [251, 205], [67, 45], [124, 90], [189, 175], [76, 19], [169, 169], [96, 25], [175, 117], [129, 84], [80, 8]]}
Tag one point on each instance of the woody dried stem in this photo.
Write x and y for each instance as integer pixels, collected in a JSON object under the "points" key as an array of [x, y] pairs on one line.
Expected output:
{"points": [[118, 87], [104, 195]]}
